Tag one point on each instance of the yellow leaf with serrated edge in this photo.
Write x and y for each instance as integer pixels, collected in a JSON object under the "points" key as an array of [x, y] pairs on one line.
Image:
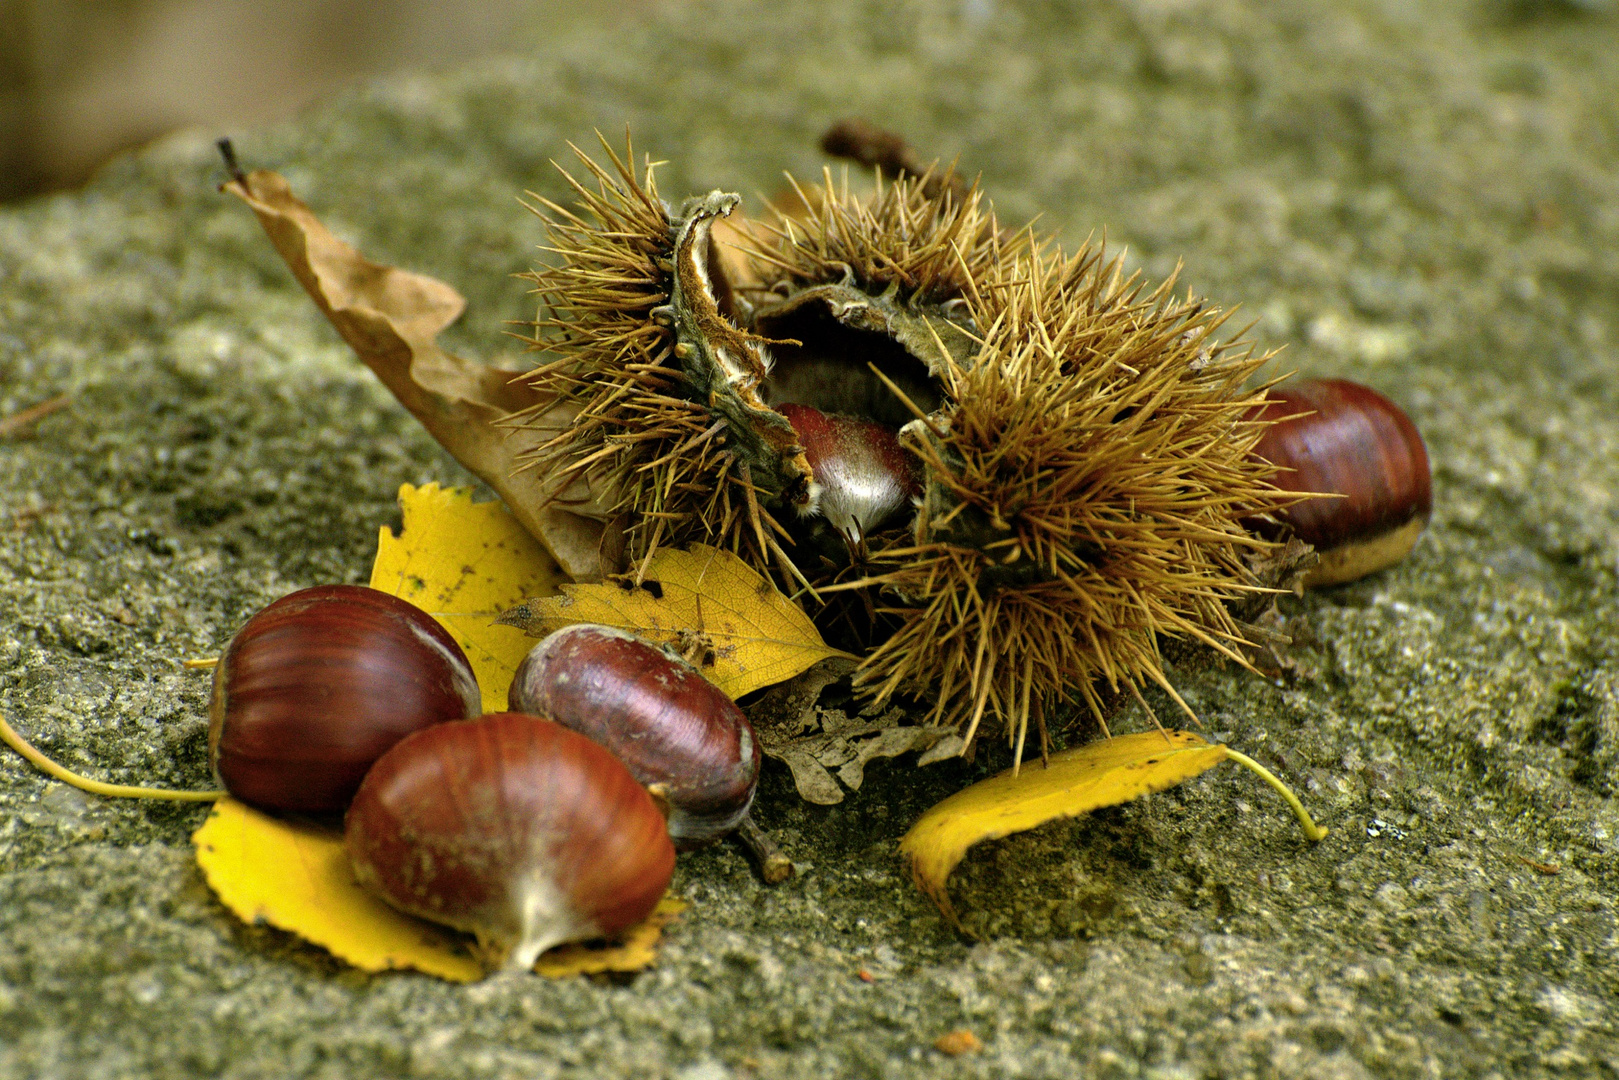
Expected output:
{"points": [[1075, 782], [296, 876], [710, 605], [464, 563]]}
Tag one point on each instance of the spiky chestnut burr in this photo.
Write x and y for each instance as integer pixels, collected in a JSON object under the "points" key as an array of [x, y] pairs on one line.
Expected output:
{"points": [[1086, 479], [868, 296], [1084, 441]]}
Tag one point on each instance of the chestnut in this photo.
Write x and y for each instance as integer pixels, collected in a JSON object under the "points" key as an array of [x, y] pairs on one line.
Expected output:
{"points": [[651, 708], [512, 828], [1338, 437], [865, 476], [316, 686]]}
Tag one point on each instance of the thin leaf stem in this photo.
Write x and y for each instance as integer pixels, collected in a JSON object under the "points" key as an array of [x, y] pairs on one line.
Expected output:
{"points": [[9, 736], [1312, 831]]}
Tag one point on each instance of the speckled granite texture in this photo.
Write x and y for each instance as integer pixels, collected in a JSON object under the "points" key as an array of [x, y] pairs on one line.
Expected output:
{"points": [[1421, 197]]}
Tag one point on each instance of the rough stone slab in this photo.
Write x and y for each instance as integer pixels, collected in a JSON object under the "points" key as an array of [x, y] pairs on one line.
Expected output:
{"points": [[1421, 197]]}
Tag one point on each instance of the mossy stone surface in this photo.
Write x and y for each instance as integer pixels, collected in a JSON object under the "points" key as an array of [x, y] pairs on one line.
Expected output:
{"points": [[1422, 198]]}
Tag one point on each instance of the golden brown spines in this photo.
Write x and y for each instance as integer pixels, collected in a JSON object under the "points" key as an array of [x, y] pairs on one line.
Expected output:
{"points": [[1085, 481], [669, 430]]}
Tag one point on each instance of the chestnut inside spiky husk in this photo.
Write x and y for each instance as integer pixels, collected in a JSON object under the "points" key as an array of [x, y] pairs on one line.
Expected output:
{"points": [[1084, 442]]}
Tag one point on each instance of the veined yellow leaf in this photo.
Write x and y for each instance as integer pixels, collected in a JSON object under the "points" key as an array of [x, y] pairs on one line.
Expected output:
{"points": [[296, 876], [710, 605], [1077, 781], [464, 563]]}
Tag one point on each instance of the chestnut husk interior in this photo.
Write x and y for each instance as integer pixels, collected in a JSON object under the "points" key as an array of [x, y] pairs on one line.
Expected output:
{"points": [[825, 363]]}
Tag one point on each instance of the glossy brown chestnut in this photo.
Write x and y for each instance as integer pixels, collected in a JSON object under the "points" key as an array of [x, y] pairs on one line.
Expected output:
{"points": [[317, 686], [512, 828], [866, 478], [1356, 443], [671, 726]]}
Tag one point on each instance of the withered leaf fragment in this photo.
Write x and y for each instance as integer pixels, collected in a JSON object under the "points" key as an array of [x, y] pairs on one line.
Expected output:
{"points": [[812, 741]]}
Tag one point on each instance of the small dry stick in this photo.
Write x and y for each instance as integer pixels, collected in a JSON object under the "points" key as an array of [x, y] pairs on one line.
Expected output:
{"points": [[16, 423], [766, 857], [228, 152], [869, 145], [1549, 869]]}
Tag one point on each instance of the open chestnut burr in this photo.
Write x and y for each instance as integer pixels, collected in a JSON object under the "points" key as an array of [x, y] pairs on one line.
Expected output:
{"points": [[318, 685], [512, 828], [675, 730], [1343, 439]]}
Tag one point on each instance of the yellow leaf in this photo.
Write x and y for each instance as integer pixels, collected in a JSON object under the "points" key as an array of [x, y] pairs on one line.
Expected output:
{"points": [[710, 605], [634, 951], [464, 563], [1075, 782], [296, 877]]}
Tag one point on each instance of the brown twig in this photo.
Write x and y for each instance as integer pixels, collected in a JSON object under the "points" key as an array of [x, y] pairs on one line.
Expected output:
{"points": [[766, 857], [16, 423], [1549, 869], [228, 152], [872, 146]]}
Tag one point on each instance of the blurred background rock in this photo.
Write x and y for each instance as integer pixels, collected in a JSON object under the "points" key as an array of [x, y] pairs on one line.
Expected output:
{"points": [[81, 80]]}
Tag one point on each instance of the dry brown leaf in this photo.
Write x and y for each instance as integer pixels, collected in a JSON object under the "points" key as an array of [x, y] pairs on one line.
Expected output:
{"points": [[715, 609], [845, 744], [812, 741], [392, 319]]}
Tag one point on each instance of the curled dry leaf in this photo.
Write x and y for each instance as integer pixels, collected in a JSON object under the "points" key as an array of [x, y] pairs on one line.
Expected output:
{"points": [[1071, 783], [392, 319], [712, 607], [464, 563], [296, 877]]}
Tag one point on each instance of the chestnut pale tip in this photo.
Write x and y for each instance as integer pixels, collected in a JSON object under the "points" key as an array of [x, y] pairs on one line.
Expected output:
{"points": [[1342, 439], [864, 476], [512, 828]]}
